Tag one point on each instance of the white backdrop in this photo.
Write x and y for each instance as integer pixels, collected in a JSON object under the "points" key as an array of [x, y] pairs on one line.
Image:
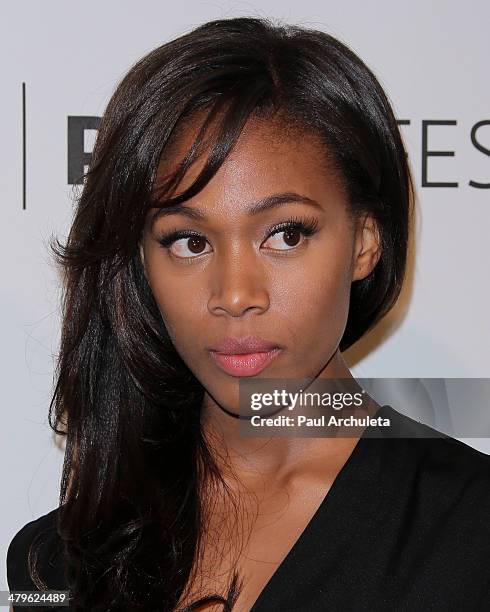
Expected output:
{"points": [[432, 59]]}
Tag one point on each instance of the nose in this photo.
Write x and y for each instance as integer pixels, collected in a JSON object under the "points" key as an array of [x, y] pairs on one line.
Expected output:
{"points": [[238, 286]]}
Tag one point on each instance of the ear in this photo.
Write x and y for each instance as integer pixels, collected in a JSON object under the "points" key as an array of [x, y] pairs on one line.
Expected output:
{"points": [[367, 247]]}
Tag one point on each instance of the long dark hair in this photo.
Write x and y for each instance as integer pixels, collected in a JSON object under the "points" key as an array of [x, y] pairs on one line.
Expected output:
{"points": [[131, 505]]}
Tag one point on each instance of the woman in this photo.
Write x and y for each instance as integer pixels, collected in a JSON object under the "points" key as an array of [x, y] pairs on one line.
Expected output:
{"points": [[248, 194]]}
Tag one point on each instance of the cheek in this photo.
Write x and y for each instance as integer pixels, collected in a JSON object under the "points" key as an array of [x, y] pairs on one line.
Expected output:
{"points": [[317, 304], [181, 307]]}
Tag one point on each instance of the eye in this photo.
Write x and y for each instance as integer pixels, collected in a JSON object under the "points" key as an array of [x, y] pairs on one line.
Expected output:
{"points": [[189, 244], [292, 230], [184, 244], [291, 237]]}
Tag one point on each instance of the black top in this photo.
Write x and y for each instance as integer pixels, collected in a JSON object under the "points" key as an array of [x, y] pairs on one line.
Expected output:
{"points": [[404, 527]]}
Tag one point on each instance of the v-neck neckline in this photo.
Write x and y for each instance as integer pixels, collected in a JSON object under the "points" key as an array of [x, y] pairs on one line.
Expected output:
{"points": [[343, 484]]}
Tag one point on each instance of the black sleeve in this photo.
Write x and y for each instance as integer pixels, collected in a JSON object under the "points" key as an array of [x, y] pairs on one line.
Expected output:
{"points": [[38, 538]]}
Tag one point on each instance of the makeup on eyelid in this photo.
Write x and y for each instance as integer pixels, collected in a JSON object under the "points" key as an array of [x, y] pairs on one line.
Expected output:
{"points": [[307, 226]]}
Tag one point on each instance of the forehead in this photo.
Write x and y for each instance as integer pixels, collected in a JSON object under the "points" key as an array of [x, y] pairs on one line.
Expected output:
{"points": [[269, 157]]}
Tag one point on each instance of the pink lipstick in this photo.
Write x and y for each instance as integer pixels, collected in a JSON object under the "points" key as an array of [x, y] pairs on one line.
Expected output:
{"points": [[244, 356]]}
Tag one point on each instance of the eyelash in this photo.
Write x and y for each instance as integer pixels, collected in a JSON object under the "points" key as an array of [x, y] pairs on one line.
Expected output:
{"points": [[307, 226]]}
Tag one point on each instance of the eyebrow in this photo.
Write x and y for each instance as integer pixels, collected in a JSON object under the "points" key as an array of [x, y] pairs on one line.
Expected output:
{"points": [[267, 203]]}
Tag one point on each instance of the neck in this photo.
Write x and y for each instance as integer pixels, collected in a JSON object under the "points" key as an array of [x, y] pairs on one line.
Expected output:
{"points": [[269, 460]]}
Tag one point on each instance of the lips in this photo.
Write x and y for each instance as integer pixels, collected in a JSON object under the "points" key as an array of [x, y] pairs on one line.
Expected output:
{"points": [[246, 364], [244, 344], [244, 356]]}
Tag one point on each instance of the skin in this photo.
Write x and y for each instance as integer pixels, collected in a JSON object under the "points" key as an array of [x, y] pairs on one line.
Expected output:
{"points": [[244, 282]]}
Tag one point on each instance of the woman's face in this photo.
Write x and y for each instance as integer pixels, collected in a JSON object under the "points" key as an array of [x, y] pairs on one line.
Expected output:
{"points": [[237, 278]]}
